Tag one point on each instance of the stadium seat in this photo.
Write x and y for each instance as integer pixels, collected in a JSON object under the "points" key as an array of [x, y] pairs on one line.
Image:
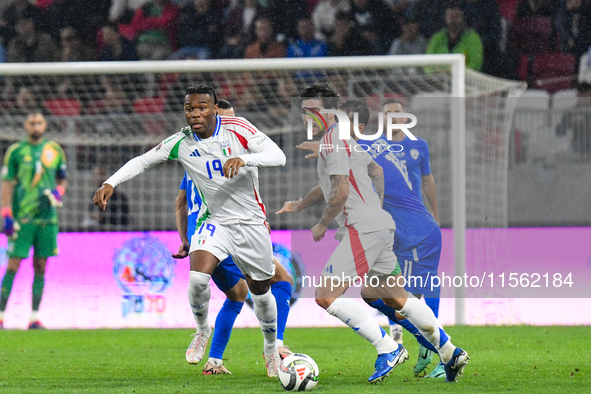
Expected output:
{"points": [[554, 71], [149, 105], [532, 35], [508, 8], [63, 106]]}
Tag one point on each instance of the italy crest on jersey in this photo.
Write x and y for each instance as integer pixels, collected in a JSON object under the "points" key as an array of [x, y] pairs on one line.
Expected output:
{"points": [[226, 148]]}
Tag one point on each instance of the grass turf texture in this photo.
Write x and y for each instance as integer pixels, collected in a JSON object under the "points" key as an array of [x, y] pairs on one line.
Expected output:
{"points": [[517, 359]]}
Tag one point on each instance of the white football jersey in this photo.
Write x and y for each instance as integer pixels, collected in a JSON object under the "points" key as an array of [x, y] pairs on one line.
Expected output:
{"points": [[363, 209], [228, 201]]}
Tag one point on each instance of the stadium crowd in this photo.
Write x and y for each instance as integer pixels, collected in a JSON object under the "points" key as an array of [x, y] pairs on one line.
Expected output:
{"points": [[506, 38]]}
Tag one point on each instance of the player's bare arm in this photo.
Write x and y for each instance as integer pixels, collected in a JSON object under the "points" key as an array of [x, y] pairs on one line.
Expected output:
{"points": [[376, 173], [429, 191], [181, 217], [232, 166], [7, 192], [312, 146], [339, 192], [102, 195], [314, 197]]}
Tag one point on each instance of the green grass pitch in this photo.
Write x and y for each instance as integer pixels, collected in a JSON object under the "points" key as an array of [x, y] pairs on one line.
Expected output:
{"points": [[508, 359]]}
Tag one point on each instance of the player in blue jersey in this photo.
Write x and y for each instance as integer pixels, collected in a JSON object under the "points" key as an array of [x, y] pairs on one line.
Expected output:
{"points": [[417, 241], [228, 278]]}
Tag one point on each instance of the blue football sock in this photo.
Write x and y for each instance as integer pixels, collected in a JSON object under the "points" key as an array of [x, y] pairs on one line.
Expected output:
{"points": [[223, 327], [433, 303], [282, 293], [391, 314]]}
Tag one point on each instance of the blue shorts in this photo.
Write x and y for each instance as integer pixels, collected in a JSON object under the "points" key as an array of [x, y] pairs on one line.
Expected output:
{"points": [[420, 264], [226, 274]]}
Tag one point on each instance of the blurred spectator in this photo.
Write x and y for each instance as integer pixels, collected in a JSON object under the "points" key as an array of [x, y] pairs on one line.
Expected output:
{"points": [[528, 8], [410, 42], [30, 45], [306, 45], [154, 27], [484, 17], [324, 16], [238, 29], [117, 212], [376, 21], [573, 25], [347, 39], [430, 15], [72, 48], [198, 33], [265, 46], [121, 11], [457, 38], [578, 121], [26, 101], [116, 48], [11, 16], [284, 16], [65, 13]]}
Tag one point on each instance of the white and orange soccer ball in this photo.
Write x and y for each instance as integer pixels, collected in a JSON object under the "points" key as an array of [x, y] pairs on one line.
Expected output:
{"points": [[298, 372]]}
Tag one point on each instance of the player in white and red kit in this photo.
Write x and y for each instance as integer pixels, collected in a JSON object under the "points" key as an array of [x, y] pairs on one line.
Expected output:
{"points": [[221, 156], [366, 235]]}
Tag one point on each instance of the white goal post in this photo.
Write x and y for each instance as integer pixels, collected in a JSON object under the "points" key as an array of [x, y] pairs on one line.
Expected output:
{"points": [[403, 75]]}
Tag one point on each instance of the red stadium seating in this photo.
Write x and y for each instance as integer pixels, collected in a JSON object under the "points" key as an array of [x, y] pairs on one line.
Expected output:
{"points": [[554, 71], [63, 106], [532, 36], [508, 8], [149, 105]]}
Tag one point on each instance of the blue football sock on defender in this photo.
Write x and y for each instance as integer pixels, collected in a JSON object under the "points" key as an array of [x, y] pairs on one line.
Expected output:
{"points": [[282, 293], [391, 314], [223, 327], [433, 303]]}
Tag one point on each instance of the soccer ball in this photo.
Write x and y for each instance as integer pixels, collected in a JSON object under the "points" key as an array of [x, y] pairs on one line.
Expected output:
{"points": [[298, 372]]}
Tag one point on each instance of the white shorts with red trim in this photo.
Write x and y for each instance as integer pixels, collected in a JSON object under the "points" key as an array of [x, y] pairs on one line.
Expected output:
{"points": [[249, 245], [362, 253]]}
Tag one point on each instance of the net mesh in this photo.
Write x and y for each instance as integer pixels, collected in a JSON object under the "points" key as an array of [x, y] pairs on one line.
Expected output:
{"points": [[103, 120]]}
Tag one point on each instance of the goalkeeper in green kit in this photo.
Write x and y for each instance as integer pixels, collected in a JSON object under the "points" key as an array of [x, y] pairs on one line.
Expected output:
{"points": [[33, 183]]}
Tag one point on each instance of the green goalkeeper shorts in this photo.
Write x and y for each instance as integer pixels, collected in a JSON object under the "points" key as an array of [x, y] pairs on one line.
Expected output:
{"points": [[42, 237], [397, 270]]}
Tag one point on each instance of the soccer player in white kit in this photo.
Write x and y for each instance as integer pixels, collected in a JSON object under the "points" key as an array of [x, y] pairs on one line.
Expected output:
{"points": [[220, 155], [366, 235]]}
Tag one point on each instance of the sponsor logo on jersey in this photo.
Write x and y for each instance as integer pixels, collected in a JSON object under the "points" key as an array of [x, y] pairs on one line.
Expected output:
{"points": [[159, 146], [414, 154], [195, 153], [226, 148]]}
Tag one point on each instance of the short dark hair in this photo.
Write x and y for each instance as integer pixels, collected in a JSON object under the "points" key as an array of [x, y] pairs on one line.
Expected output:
{"points": [[111, 25], [224, 104], [326, 93], [33, 112], [393, 101], [202, 89], [352, 106]]}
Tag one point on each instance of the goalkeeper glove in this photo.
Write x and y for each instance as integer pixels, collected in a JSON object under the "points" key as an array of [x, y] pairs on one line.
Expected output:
{"points": [[11, 226], [55, 196]]}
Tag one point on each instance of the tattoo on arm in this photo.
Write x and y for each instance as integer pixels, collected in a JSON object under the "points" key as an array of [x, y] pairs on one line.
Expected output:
{"points": [[333, 204], [377, 176]]}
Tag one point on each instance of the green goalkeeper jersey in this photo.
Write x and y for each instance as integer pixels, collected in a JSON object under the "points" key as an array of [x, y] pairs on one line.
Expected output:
{"points": [[35, 168]]}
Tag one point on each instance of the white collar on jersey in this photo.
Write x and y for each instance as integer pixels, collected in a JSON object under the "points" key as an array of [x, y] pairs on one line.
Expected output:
{"points": [[218, 126]]}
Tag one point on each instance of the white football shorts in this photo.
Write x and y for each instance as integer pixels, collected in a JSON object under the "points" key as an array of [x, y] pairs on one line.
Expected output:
{"points": [[249, 245], [362, 253]]}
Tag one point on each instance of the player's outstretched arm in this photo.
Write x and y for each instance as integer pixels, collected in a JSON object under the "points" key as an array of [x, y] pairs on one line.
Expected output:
{"points": [[314, 197], [429, 190], [102, 196], [181, 217], [339, 192], [312, 146], [376, 173]]}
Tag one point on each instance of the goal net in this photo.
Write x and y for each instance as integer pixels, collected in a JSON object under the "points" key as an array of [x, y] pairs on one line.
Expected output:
{"points": [[103, 114]]}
